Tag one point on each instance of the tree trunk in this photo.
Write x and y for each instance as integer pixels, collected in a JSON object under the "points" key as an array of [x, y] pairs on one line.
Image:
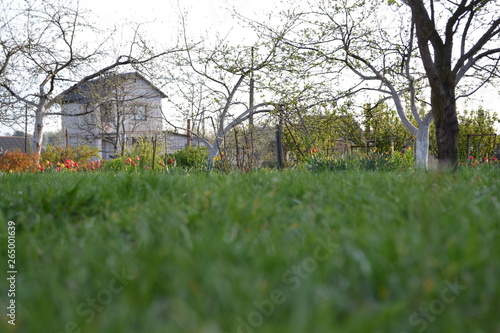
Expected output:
{"points": [[422, 146], [38, 131], [445, 115]]}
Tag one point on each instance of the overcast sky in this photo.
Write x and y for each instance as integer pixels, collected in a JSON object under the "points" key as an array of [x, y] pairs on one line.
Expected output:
{"points": [[203, 15]]}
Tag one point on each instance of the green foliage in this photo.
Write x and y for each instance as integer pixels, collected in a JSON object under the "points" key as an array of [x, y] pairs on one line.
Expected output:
{"points": [[384, 128], [480, 163], [117, 164], [325, 130], [191, 157], [375, 160], [477, 122], [333, 132], [80, 154], [147, 153], [474, 122]]}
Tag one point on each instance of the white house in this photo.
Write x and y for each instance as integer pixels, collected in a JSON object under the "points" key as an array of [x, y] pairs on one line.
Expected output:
{"points": [[112, 112]]}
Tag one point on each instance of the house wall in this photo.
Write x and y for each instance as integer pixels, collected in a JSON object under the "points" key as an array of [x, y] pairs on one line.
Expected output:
{"points": [[134, 94], [74, 125]]}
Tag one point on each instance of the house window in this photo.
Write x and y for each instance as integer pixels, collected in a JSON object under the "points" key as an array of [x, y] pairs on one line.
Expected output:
{"points": [[107, 113], [140, 112]]}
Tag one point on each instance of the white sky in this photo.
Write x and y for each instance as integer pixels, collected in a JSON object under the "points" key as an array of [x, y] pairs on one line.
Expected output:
{"points": [[203, 15]]}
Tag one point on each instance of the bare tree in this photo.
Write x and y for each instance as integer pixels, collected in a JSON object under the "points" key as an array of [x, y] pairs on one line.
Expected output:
{"points": [[223, 73], [50, 39], [8, 49]]}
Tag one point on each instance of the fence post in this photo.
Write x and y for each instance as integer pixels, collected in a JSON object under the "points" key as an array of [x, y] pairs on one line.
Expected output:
{"points": [[153, 139], [279, 145], [468, 146], [239, 165]]}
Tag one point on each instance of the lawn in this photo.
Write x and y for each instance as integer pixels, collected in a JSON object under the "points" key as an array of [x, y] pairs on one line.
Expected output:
{"points": [[260, 252]]}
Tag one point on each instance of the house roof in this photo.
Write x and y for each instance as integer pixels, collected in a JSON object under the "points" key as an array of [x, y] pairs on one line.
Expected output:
{"points": [[86, 91], [11, 143]]}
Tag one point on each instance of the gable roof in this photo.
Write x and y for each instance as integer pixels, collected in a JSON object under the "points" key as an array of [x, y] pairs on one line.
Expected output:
{"points": [[11, 143], [83, 93]]}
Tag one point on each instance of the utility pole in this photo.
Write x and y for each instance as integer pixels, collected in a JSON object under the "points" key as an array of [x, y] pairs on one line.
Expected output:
{"points": [[250, 105], [251, 102]]}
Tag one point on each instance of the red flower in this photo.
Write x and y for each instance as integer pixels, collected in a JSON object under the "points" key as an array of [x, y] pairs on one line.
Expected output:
{"points": [[473, 164], [313, 151], [171, 161], [471, 157], [494, 158]]}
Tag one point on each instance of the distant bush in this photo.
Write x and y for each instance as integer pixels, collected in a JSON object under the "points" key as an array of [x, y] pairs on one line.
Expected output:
{"points": [[18, 162], [129, 164], [371, 161], [79, 154], [147, 154], [190, 157]]}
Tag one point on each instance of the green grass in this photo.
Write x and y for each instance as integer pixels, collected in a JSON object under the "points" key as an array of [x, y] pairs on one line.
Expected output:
{"points": [[262, 252]]}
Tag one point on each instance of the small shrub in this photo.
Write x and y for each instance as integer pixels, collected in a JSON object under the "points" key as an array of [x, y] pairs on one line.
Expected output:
{"points": [[79, 154], [118, 164], [372, 161], [481, 163], [18, 162], [190, 157], [144, 149]]}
